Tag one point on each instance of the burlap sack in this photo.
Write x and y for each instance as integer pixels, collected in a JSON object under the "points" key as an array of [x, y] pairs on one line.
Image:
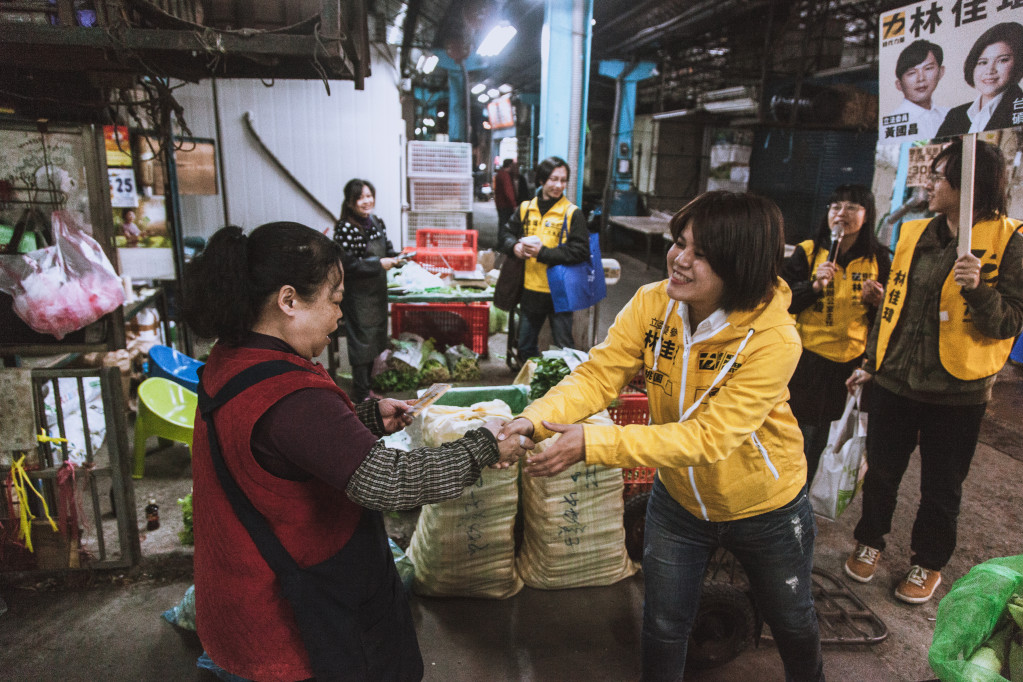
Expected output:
{"points": [[466, 547], [573, 535]]}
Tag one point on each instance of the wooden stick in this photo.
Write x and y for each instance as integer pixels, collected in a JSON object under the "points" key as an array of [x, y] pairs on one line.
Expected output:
{"points": [[966, 193]]}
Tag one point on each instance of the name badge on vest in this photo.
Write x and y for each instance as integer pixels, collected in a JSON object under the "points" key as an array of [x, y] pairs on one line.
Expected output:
{"points": [[943, 316]]}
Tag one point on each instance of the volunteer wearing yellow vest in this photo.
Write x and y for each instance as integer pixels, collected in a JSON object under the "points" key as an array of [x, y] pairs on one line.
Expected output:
{"points": [[717, 347], [834, 302], [945, 329], [534, 234]]}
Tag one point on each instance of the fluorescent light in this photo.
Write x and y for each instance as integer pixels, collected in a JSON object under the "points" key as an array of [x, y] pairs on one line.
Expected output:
{"points": [[742, 104], [495, 41], [431, 64], [493, 93], [478, 88], [418, 130], [677, 113], [441, 114], [505, 88], [483, 98], [429, 122]]}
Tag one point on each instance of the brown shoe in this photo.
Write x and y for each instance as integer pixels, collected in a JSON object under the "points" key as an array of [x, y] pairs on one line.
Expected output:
{"points": [[862, 563], [918, 586]]}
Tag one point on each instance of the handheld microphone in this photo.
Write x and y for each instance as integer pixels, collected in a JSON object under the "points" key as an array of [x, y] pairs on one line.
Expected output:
{"points": [[836, 237]]}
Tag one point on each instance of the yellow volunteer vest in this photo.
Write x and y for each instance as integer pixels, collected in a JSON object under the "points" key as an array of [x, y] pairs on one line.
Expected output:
{"points": [[965, 353], [548, 228], [835, 326]]}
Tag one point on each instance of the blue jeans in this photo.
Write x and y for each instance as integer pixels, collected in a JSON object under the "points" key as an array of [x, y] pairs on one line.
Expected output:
{"points": [[535, 309], [776, 551]]}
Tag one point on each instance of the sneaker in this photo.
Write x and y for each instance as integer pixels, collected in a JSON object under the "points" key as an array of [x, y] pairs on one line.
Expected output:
{"points": [[862, 563], [918, 586]]}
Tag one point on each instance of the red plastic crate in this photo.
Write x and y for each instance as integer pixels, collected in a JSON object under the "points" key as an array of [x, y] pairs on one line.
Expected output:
{"points": [[449, 259], [446, 239], [449, 324], [633, 408]]}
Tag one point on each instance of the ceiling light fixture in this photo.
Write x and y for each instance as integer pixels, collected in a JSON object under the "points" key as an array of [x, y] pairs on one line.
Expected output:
{"points": [[478, 88], [505, 88], [429, 122], [496, 39], [441, 114], [483, 98], [430, 64], [493, 93]]}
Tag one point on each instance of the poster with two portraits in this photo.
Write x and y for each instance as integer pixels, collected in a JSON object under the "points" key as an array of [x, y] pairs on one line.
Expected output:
{"points": [[949, 67]]}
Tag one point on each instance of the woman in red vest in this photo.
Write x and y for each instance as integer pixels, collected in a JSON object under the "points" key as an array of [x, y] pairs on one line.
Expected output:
{"points": [[310, 464]]}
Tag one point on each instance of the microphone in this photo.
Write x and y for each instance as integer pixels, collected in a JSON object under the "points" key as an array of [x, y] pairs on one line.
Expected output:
{"points": [[836, 236]]}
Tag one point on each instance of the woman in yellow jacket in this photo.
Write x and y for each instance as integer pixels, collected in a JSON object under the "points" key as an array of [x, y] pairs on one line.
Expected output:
{"points": [[717, 347]]}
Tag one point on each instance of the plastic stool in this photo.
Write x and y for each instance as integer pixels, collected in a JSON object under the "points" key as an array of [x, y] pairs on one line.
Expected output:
{"points": [[166, 410], [170, 364]]}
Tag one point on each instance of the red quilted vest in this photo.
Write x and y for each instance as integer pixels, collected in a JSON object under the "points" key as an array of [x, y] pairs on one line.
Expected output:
{"points": [[243, 622]]}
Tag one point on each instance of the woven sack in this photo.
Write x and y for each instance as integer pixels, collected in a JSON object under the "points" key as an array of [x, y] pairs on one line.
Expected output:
{"points": [[573, 534], [466, 547]]}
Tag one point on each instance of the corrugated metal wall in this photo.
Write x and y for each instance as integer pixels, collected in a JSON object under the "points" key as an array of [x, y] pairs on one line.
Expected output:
{"points": [[323, 141]]}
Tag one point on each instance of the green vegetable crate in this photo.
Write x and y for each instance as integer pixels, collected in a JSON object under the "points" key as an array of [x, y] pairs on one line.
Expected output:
{"points": [[516, 396]]}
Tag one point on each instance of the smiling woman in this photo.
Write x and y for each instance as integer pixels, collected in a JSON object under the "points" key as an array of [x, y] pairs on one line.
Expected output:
{"points": [[285, 465], [993, 67]]}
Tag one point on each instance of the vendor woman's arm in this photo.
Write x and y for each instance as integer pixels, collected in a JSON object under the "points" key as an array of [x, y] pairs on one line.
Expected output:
{"points": [[313, 433]]}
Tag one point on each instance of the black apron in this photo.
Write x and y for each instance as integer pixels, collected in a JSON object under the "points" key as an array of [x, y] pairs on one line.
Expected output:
{"points": [[351, 609], [365, 307]]}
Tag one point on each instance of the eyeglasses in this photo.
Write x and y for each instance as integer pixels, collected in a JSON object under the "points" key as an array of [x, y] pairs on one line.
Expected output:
{"points": [[935, 178], [840, 206]]}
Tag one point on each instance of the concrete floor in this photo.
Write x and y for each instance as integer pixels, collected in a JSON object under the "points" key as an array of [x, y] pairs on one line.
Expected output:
{"points": [[108, 626]]}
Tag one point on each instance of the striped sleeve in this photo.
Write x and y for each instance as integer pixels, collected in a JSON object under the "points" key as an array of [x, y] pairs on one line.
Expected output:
{"points": [[390, 479]]}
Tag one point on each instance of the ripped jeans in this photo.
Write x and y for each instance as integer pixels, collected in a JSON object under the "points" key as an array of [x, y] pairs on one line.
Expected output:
{"points": [[776, 551]]}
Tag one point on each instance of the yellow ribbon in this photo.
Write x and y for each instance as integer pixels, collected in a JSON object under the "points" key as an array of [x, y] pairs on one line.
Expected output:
{"points": [[43, 438], [22, 484]]}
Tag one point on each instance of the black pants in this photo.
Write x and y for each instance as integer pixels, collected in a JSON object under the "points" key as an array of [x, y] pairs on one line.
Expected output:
{"points": [[948, 438]]}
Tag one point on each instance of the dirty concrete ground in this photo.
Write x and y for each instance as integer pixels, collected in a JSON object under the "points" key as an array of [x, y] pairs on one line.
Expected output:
{"points": [[107, 625]]}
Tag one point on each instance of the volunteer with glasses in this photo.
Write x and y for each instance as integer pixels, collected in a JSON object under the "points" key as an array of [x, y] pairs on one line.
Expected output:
{"points": [[945, 329], [837, 281], [534, 234]]}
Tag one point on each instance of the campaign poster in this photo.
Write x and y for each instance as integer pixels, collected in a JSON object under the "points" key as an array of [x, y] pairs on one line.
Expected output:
{"points": [[949, 67]]}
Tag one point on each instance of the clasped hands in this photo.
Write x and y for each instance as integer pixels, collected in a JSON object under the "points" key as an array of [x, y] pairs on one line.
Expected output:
{"points": [[514, 439]]}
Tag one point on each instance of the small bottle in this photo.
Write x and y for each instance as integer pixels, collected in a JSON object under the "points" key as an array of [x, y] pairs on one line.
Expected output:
{"points": [[152, 515]]}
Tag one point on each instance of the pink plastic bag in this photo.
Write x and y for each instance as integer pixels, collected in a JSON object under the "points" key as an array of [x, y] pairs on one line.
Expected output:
{"points": [[64, 287]]}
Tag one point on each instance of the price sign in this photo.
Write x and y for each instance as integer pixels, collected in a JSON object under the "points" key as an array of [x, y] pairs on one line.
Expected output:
{"points": [[123, 193]]}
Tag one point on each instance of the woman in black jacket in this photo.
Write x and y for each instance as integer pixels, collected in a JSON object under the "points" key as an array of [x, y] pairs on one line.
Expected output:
{"points": [[368, 255], [994, 67]]}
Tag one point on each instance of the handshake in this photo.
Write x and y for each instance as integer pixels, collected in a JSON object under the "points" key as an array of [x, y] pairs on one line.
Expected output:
{"points": [[515, 440]]}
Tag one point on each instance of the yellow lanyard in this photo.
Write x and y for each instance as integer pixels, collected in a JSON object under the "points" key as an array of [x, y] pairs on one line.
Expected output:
{"points": [[22, 484]]}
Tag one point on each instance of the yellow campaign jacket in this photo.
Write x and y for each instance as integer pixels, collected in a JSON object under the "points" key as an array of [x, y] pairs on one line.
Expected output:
{"points": [[836, 326], [739, 453], [548, 228], [965, 352]]}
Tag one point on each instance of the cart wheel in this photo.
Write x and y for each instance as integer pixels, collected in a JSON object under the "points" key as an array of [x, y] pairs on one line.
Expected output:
{"points": [[634, 520], [724, 626]]}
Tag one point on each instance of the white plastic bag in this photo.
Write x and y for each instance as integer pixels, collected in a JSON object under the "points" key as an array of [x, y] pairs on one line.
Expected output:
{"points": [[62, 288], [843, 462]]}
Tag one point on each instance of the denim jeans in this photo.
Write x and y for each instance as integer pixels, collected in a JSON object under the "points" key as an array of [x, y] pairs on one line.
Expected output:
{"points": [[947, 435], [536, 308], [776, 551]]}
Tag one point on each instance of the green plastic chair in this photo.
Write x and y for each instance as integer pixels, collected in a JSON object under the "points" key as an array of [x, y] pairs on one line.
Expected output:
{"points": [[166, 410]]}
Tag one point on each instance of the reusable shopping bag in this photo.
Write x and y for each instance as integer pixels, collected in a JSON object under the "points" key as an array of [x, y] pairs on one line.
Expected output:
{"points": [[843, 462], [967, 616], [580, 285]]}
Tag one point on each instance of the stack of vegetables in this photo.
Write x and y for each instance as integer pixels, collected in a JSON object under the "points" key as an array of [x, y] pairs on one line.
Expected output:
{"points": [[412, 361]]}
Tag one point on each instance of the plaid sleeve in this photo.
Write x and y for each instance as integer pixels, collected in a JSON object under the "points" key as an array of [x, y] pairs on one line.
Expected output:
{"points": [[368, 413], [390, 479]]}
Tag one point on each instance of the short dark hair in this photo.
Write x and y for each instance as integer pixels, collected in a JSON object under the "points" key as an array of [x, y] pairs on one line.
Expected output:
{"points": [[857, 194], [989, 179], [507, 163], [916, 54], [547, 166], [227, 285], [743, 238], [1008, 32], [352, 192]]}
